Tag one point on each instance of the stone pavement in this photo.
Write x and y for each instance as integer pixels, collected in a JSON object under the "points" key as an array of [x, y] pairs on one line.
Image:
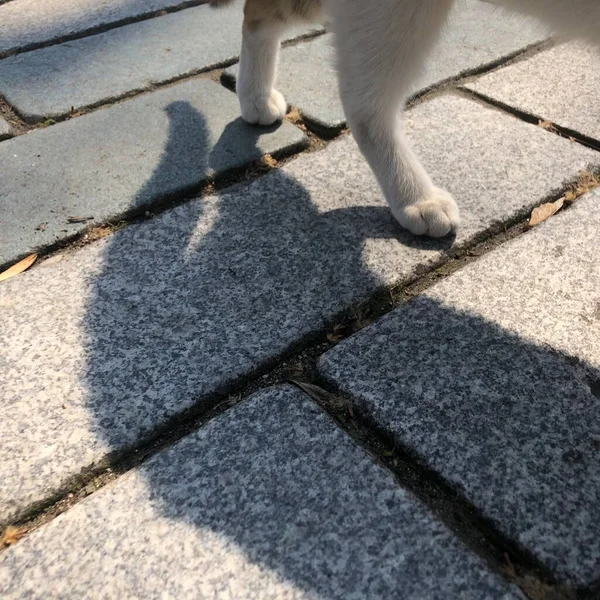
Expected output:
{"points": [[191, 265]]}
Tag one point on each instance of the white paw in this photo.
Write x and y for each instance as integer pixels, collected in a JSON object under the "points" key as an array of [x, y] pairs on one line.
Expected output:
{"points": [[262, 110], [435, 215]]}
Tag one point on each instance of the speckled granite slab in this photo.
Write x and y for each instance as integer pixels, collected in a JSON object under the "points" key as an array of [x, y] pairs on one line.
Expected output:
{"points": [[270, 500], [26, 22], [101, 349], [492, 378], [129, 156], [96, 69], [561, 85]]}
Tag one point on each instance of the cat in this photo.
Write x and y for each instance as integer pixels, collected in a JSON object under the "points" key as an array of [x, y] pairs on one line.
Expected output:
{"points": [[381, 48]]}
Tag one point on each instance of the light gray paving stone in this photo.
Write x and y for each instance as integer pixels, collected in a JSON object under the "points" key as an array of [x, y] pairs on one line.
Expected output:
{"points": [[127, 156], [103, 347], [270, 500], [27, 23], [561, 85], [307, 77], [89, 71], [491, 378], [4, 128]]}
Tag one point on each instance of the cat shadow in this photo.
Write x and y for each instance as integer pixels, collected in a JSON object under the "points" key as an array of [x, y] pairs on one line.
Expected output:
{"points": [[216, 290], [185, 303]]}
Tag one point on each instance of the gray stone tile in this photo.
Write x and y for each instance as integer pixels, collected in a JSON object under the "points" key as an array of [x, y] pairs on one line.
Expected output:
{"points": [[104, 164], [307, 75], [270, 500], [85, 72], [103, 347], [491, 379], [96, 69], [26, 23], [4, 128], [559, 85]]}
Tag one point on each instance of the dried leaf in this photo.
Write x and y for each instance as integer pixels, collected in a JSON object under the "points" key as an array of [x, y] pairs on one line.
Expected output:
{"points": [[269, 160], [11, 536], [545, 211], [547, 125], [570, 196], [21, 266], [294, 116]]}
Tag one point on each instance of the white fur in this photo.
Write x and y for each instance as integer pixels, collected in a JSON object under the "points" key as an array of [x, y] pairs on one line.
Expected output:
{"points": [[260, 102], [381, 49]]}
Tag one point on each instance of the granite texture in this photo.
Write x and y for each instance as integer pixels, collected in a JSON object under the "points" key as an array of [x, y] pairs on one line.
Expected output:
{"points": [[561, 85], [307, 76], [26, 23], [270, 500], [124, 157], [93, 70], [101, 348], [491, 378]]}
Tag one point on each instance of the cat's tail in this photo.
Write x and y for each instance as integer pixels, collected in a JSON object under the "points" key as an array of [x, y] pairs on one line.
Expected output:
{"points": [[217, 3]]}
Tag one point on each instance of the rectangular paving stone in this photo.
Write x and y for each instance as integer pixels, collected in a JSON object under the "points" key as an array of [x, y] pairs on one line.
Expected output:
{"points": [[270, 500], [100, 349], [307, 77], [561, 85], [27, 23], [89, 71], [491, 378], [127, 156]]}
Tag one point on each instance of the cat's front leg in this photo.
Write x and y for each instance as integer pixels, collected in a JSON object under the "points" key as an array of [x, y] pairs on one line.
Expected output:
{"points": [[260, 102], [381, 45]]}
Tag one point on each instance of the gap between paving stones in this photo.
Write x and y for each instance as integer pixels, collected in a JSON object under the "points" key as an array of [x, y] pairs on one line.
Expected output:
{"points": [[20, 125], [252, 171], [565, 132], [242, 175], [225, 181], [96, 29], [229, 82], [212, 71], [298, 365], [457, 513]]}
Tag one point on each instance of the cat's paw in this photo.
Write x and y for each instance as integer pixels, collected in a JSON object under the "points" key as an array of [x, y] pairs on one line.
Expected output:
{"points": [[436, 215], [263, 110]]}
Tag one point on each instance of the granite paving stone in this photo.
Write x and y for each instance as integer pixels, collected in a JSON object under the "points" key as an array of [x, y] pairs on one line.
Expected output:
{"points": [[103, 164], [51, 81], [26, 23], [491, 378], [270, 500], [307, 76], [99, 349], [93, 70], [561, 85]]}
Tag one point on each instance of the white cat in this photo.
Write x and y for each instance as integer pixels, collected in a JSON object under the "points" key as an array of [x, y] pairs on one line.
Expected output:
{"points": [[381, 48]]}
